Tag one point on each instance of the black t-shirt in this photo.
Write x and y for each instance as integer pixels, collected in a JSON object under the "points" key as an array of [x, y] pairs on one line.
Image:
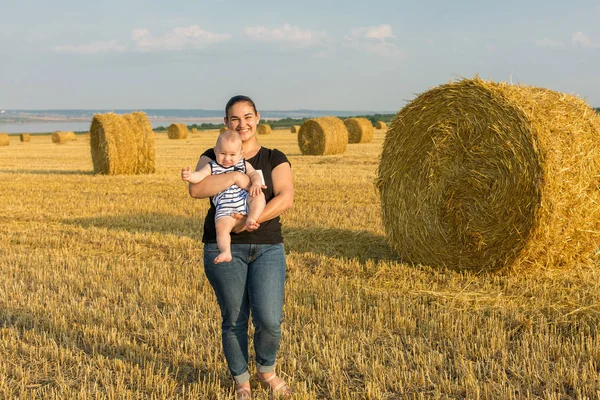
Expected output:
{"points": [[269, 231]]}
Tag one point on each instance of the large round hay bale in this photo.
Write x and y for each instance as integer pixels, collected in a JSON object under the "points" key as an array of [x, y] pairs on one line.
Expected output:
{"points": [[295, 128], [122, 144], [146, 153], [323, 136], [4, 139], [380, 125], [178, 131], [263, 129], [360, 130], [63, 137], [25, 137], [481, 175]]}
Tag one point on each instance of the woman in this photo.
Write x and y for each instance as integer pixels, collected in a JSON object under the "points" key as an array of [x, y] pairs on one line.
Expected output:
{"points": [[253, 281]]}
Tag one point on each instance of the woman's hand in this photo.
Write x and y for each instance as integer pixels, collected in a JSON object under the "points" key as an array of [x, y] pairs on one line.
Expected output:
{"points": [[240, 223]]}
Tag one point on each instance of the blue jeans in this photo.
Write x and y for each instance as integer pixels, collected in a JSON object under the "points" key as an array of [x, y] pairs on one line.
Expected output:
{"points": [[251, 282]]}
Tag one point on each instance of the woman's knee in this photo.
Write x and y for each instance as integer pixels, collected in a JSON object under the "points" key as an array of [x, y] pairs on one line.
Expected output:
{"points": [[266, 322]]}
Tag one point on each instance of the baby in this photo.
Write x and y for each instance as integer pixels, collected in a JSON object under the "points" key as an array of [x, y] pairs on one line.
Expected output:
{"points": [[233, 200]]}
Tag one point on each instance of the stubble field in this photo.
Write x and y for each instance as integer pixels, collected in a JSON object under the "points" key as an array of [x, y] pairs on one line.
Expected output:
{"points": [[103, 294]]}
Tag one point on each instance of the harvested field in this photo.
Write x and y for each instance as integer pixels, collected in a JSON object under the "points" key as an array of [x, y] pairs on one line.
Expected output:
{"points": [[104, 295]]}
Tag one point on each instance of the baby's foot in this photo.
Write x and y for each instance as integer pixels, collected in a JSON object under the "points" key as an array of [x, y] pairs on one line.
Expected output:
{"points": [[223, 257]]}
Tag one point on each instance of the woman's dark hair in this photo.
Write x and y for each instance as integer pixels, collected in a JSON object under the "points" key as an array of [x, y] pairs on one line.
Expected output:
{"points": [[238, 99]]}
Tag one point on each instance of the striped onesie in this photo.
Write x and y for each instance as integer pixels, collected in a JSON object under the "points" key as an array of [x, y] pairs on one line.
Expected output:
{"points": [[234, 199]]}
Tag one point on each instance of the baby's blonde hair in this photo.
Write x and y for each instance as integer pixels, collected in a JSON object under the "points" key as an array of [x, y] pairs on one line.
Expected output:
{"points": [[229, 136]]}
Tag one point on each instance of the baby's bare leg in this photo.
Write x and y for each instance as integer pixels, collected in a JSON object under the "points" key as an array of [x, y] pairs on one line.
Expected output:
{"points": [[256, 205], [224, 225]]}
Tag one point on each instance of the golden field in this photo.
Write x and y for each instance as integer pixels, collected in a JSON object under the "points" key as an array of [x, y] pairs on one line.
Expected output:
{"points": [[103, 294]]}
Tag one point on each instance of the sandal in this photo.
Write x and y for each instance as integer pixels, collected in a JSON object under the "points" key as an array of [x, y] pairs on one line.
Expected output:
{"points": [[243, 393], [276, 385]]}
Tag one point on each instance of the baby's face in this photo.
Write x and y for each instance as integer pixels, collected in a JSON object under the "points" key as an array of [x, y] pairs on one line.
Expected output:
{"points": [[228, 152]]}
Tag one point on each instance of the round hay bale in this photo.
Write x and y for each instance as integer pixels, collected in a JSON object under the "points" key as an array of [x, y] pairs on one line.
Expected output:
{"points": [[323, 136], [482, 176], [114, 144], [360, 130], [63, 137], [4, 139], [295, 128], [194, 130], [223, 129], [380, 125], [178, 131], [146, 140], [25, 137], [263, 129]]}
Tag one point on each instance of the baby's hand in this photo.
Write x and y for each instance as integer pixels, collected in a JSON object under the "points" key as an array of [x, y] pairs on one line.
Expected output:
{"points": [[186, 174], [255, 190]]}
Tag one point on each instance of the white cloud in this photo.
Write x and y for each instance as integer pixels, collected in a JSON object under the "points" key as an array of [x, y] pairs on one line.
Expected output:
{"points": [[288, 34], [546, 42], [177, 39], [91, 48], [381, 32], [580, 39], [376, 39]]}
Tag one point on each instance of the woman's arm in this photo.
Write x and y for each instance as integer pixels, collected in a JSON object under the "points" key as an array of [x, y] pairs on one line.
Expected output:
{"points": [[213, 184], [283, 191]]}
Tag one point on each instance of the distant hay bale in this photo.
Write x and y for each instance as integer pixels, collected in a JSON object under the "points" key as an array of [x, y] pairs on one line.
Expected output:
{"points": [[178, 131], [380, 125], [323, 136], [482, 176], [295, 128], [4, 139], [263, 129], [360, 130], [122, 144], [223, 129], [63, 137], [25, 137], [194, 130]]}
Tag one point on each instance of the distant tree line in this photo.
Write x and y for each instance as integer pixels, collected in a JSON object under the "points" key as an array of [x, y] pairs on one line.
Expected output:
{"points": [[283, 122]]}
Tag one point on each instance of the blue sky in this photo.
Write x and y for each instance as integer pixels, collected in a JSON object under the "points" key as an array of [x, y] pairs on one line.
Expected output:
{"points": [[341, 55]]}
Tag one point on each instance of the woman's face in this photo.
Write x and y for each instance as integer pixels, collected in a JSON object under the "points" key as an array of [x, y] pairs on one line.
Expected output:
{"points": [[241, 118]]}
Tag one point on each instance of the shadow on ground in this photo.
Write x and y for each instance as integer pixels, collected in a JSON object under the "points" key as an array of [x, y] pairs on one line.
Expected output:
{"points": [[330, 242], [188, 226], [45, 172]]}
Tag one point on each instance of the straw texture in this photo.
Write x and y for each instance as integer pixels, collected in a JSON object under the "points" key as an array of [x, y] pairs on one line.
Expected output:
{"points": [[263, 129], [360, 130], [25, 137], [4, 139], [178, 131], [122, 144], [482, 176], [323, 136], [145, 139]]}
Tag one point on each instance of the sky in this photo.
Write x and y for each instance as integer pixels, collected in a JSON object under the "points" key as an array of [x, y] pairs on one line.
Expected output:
{"points": [[350, 55]]}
